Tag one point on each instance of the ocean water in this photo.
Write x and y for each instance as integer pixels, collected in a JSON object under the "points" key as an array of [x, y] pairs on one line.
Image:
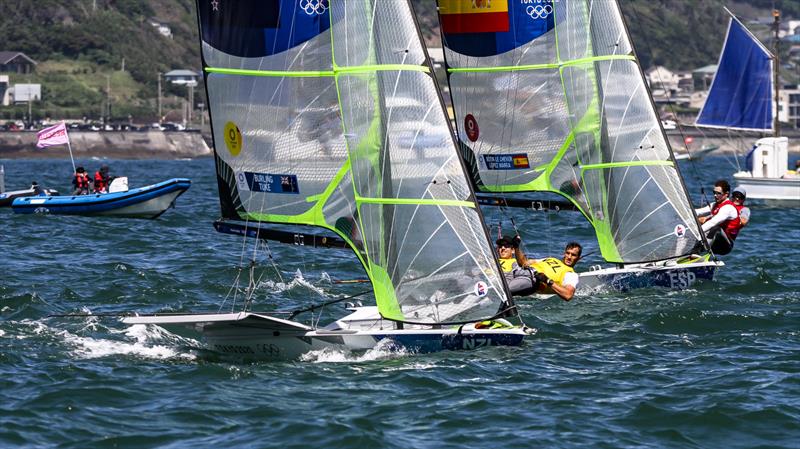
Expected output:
{"points": [[713, 367]]}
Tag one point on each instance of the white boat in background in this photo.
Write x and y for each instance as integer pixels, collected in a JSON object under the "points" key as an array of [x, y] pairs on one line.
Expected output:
{"points": [[769, 182], [558, 103], [744, 97], [301, 140]]}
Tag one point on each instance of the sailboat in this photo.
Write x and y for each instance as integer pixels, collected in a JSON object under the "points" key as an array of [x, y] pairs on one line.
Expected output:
{"points": [[741, 99], [315, 109], [549, 97]]}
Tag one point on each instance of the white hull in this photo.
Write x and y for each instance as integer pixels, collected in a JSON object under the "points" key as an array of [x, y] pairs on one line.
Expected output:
{"points": [[149, 208], [774, 192], [250, 335], [668, 274]]}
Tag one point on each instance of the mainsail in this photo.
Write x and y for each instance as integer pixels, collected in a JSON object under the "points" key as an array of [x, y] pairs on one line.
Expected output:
{"points": [[742, 94], [549, 96], [326, 113]]}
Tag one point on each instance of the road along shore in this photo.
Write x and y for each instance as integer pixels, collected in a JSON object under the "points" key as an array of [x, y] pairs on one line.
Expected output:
{"points": [[109, 144]]}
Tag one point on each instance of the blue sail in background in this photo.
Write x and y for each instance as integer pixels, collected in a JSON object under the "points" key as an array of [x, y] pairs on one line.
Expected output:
{"points": [[741, 95]]}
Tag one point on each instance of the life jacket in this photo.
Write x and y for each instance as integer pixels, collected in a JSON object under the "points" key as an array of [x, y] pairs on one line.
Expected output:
{"points": [[100, 182], [554, 269], [508, 265], [732, 227], [81, 181]]}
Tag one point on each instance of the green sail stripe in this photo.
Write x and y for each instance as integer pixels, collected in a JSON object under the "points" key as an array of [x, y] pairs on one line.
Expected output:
{"points": [[420, 202], [313, 216], [580, 61], [381, 67], [625, 164], [318, 73], [278, 73]]}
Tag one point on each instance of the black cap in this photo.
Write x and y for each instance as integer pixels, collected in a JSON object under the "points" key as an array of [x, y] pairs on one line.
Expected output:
{"points": [[80, 170], [506, 241]]}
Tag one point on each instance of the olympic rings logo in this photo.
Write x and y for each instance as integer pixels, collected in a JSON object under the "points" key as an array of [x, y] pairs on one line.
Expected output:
{"points": [[311, 7], [539, 11]]}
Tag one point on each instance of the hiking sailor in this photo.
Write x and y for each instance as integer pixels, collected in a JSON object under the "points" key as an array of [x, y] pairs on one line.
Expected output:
{"points": [[723, 224], [559, 276]]}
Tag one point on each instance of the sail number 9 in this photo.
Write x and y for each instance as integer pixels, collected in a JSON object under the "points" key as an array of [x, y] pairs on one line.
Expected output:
{"points": [[233, 138]]}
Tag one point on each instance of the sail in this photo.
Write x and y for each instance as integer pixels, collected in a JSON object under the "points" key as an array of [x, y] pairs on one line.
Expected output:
{"points": [[549, 96], [741, 94], [326, 113]]}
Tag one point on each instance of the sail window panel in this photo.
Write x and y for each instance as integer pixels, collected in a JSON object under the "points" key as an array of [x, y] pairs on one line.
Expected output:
{"points": [[520, 112], [341, 213], [590, 28], [288, 126], [566, 176], [630, 120], [436, 259], [375, 32], [573, 30], [397, 133], [608, 29], [584, 102], [637, 210]]}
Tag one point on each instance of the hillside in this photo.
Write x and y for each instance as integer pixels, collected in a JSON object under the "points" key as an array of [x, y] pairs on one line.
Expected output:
{"points": [[83, 46]]}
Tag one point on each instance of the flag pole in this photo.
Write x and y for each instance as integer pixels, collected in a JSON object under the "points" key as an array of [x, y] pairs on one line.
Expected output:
{"points": [[70, 155]]}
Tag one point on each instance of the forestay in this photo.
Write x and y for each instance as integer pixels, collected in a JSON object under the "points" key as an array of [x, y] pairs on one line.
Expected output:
{"points": [[549, 96], [327, 114], [741, 95]]}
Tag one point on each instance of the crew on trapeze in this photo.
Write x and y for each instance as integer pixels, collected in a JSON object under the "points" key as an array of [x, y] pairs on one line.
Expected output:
{"points": [[545, 276], [723, 220]]}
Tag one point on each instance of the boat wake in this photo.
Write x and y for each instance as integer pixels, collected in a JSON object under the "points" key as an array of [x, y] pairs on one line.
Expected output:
{"points": [[138, 340], [299, 281], [383, 350]]}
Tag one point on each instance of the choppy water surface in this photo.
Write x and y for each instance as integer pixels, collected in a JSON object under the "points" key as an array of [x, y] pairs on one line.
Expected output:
{"points": [[718, 366]]}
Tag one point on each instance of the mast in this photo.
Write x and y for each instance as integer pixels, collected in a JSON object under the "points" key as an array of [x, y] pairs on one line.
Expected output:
{"points": [[776, 14]]}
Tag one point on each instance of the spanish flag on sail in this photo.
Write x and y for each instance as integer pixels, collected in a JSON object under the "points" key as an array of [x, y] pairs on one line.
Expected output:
{"points": [[474, 16]]}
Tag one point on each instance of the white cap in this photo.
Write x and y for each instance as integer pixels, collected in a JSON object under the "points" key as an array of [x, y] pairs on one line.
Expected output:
{"points": [[740, 190]]}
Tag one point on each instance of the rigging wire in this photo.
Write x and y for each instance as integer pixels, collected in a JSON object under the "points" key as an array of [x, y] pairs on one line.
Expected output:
{"points": [[671, 106]]}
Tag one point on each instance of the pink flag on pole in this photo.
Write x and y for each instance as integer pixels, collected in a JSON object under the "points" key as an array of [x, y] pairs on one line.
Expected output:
{"points": [[54, 135]]}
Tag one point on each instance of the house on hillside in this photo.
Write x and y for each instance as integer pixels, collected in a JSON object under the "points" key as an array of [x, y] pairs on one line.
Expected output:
{"points": [[703, 77], [789, 105], [162, 28], [663, 83], [183, 77], [16, 62]]}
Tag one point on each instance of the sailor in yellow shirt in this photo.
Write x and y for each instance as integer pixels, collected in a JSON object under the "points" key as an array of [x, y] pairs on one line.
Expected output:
{"points": [[548, 275], [558, 276]]}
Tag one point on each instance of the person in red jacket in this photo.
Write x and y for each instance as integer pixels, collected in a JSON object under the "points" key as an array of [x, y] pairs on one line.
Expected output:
{"points": [[723, 225], [101, 180], [80, 182]]}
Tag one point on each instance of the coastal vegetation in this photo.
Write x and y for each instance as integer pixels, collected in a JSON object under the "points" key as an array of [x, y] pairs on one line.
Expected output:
{"points": [[103, 58]]}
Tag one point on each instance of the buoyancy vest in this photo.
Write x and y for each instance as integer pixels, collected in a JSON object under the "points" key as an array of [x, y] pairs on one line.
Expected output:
{"points": [[508, 265], [552, 268], [100, 182], [732, 227], [81, 181]]}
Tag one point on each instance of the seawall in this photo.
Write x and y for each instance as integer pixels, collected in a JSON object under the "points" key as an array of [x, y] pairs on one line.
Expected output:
{"points": [[110, 144]]}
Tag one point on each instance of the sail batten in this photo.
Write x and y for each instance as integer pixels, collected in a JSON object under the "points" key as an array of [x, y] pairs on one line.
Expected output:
{"points": [[558, 103], [328, 115]]}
